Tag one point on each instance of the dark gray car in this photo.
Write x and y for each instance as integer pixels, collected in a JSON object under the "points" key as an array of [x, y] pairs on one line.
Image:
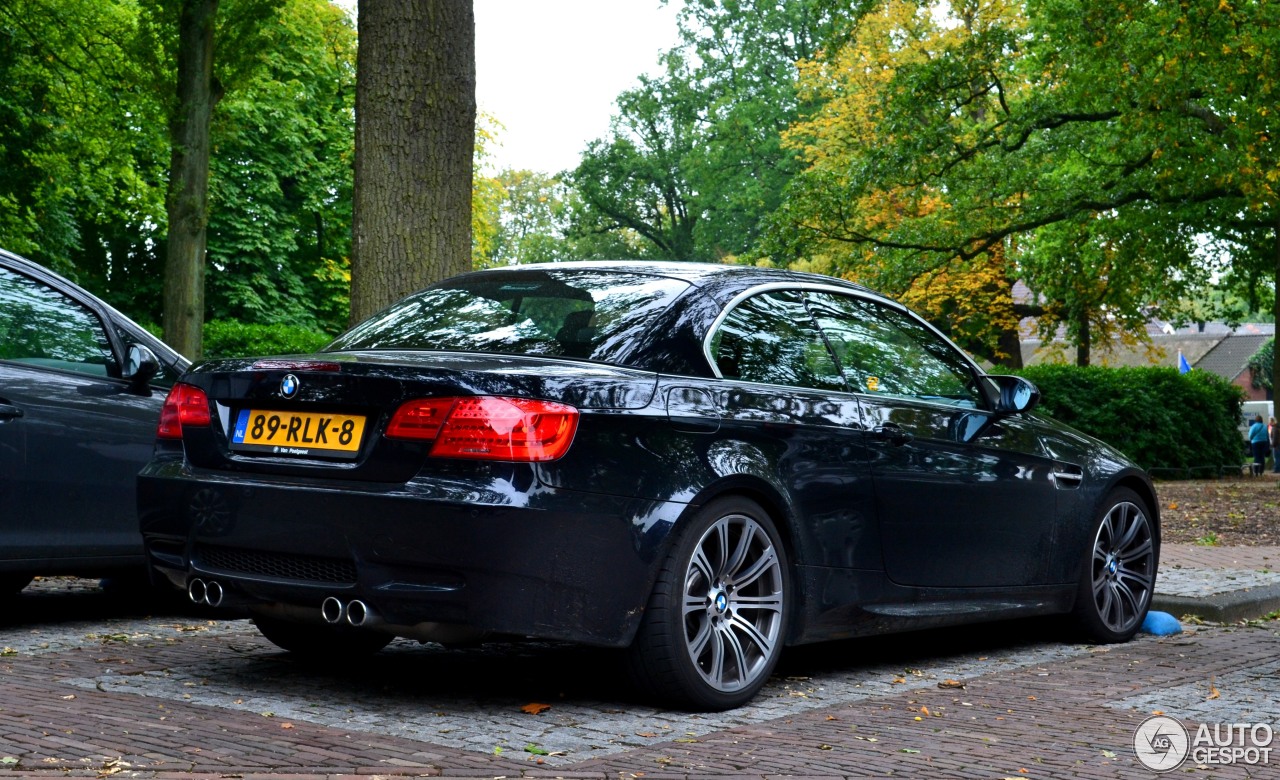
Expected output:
{"points": [[81, 388]]}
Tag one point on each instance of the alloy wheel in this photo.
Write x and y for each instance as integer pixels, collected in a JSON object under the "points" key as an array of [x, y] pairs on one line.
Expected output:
{"points": [[1123, 566], [733, 603]]}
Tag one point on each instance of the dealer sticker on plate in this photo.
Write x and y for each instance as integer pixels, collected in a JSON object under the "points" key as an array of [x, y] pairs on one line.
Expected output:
{"points": [[298, 433]]}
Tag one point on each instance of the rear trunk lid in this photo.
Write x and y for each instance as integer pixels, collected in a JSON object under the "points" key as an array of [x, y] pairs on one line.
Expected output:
{"points": [[325, 415]]}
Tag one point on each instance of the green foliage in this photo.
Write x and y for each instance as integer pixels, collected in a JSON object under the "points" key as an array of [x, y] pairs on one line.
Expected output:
{"points": [[1158, 417], [531, 220], [1263, 364], [231, 338], [1098, 144], [694, 164], [281, 178], [86, 89]]}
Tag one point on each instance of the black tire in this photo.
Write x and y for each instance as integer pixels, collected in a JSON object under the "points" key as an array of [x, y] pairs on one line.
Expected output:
{"points": [[310, 641], [1118, 577], [719, 612]]}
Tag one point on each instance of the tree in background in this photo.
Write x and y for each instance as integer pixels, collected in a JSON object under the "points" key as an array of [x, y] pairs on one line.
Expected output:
{"points": [[281, 180], [86, 92], [415, 138], [82, 151], [1096, 144], [238, 35], [693, 164]]}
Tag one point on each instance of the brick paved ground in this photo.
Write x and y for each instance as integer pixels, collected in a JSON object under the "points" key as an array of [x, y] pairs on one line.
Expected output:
{"points": [[86, 689], [1198, 556]]}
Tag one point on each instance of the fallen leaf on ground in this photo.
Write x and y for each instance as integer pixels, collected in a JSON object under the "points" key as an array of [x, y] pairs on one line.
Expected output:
{"points": [[645, 734], [950, 684], [533, 708], [286, 725], [1213, 690]]}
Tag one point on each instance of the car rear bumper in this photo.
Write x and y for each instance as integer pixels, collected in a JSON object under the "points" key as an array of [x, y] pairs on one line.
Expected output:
{"points": [[496, 557]]}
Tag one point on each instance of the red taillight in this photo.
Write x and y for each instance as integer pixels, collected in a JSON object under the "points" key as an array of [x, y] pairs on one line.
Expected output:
{"points": [[488, 427], [185, 405], [420, 419]]}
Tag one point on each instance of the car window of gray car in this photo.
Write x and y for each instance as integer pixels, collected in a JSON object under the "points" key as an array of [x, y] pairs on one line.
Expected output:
{"points": [[771, 338], [41, 326], [883, 351]]}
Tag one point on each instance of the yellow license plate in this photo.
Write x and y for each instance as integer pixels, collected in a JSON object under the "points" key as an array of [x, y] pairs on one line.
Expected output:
{"points": [[298, 433]]}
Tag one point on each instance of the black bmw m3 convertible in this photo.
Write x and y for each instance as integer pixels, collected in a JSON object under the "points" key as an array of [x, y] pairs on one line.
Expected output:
{"points": [[701, 463]]}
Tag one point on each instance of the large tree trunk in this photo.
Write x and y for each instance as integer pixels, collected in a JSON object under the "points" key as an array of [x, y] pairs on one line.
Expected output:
{"points": [[1085, 343], [415, 134], [187, 200]]}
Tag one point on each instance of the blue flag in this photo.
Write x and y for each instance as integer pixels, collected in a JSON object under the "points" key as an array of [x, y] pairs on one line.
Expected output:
{"points": [[1183, 365]]}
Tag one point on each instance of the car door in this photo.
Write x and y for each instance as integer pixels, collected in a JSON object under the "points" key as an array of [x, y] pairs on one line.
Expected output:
{"points": [[73, 434], [963, 497]]}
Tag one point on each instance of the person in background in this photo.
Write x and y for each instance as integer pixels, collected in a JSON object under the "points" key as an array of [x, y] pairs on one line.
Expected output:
{"points": [[1260, 443], [1275, 446]]}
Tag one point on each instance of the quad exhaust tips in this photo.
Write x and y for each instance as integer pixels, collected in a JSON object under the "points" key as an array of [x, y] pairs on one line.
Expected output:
{"points": [[201, 592], [354, 613]]}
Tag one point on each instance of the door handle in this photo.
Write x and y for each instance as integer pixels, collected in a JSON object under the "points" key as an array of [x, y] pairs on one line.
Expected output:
{"points": [[891, 433], [9, 411]]}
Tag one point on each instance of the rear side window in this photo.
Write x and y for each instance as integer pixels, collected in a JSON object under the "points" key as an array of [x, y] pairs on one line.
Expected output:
{"points": [[770, 338], [41, 326], [586, 314]]}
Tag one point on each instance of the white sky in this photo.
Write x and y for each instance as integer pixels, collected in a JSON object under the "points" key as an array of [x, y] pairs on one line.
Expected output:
{"points": [[549, 71]]}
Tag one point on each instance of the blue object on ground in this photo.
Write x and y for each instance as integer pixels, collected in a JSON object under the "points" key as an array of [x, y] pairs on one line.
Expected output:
{"points": [[1161, 624]]}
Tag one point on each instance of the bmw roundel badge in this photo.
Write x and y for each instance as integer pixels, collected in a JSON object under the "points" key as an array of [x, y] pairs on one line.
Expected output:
{"points": [[289, 386]]}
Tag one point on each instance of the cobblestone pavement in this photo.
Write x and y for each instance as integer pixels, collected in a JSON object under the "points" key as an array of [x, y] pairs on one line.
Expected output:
{"points": [[89, 687]]}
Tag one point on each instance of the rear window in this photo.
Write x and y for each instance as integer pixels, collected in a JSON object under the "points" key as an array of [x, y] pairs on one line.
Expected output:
{"points": [[597, 315]]}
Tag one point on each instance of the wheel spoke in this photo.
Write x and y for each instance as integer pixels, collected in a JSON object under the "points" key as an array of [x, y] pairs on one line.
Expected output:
{"points": [[768, 603], [739, 653], [698, 644], [1132, 522], [1142, 551], [700, 565], [722, 541], [1127, 604], [740, 552], [716, 672], [766, 562], [694, 603], [1142, 581], [753, 634]]}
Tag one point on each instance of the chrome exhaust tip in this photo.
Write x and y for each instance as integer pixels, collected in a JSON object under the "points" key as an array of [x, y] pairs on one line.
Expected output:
{"points": [[357, 613], [332, 610], [213, 593], [197, 591]]}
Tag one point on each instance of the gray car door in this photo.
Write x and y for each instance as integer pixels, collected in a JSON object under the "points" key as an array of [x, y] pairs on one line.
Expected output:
{"points": [[72, 435]]}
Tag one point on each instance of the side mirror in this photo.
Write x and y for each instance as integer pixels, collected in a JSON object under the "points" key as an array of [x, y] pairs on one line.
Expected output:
{"points": [[1016, 394], [140, 365]]}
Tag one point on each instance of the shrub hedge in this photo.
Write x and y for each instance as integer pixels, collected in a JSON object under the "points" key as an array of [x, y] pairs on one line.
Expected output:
{"points": [[232, 338], [1170, 423]]}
